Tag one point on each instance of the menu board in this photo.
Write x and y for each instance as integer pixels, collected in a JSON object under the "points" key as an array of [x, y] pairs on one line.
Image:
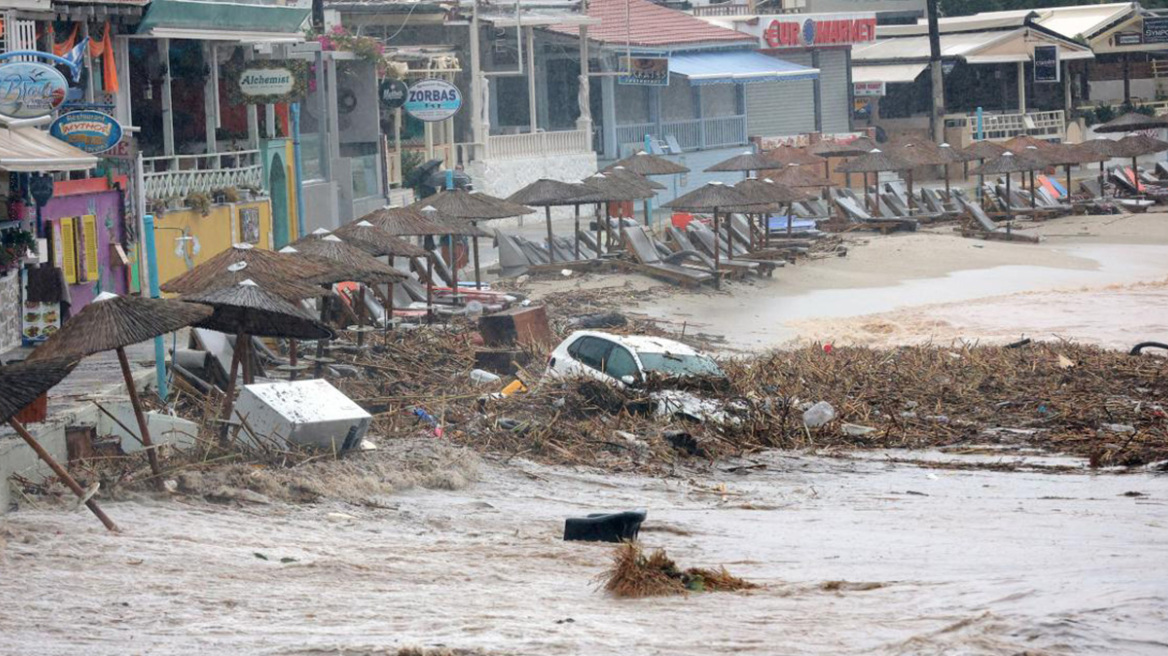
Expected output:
{"points": [[39, 321]]}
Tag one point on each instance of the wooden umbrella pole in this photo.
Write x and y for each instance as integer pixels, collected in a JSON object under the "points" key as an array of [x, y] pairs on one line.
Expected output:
{"points": [[599, 242], [144, 431], [648, 217], [876, 186], [1068, 181], [245, 359], [293, 358], [729, 235], [867, 196], [61, 473], [229, 399], [911, 198], [948, 192], [318, 370], [478, 270], [1102, 181], [454, 268], [547, 213], [717, 253], [790, 211], [1033, 196], [430, 288], [576, 233]]}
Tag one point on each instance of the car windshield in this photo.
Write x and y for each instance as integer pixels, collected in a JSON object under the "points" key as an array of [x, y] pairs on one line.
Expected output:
{"points": [[679, 365]]}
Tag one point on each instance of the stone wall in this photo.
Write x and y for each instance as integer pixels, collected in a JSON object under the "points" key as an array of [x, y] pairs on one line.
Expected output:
{"points": [[10, 310]]}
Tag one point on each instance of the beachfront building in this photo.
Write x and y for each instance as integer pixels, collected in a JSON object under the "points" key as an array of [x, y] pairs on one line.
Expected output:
{"points": [[1017, 74]]}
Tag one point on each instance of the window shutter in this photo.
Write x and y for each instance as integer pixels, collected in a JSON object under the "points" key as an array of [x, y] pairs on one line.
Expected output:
{"points": [[69, 250], [92, 262]]}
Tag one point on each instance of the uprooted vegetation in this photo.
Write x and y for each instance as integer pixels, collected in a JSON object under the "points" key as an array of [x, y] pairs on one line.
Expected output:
{"points": [[635, 575], [1054, 397]]}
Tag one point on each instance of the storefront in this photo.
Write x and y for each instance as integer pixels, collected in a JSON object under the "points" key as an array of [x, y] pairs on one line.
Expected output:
{"points": [[819, 41]]}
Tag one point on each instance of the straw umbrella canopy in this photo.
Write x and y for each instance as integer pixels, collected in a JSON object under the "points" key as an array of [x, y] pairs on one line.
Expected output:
{"points": [[874, 161], [279, 273], [1067, 155], [354, 263], [1137, 145], [247, 310], [712, 197], [829, 148], [981, 151], [786, 155], [922, 153], [634, 178], [1020, 143], [1132, 122], [797, 176], [770, 194], [746, 162], [643, 163], [548, 193], [111, 323], [472, 206], [375, 241], [604, 188], [1105, 149], [1008, 163], [20, 385]]}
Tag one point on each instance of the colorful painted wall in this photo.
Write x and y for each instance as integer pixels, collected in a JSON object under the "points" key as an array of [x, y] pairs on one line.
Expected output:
{"points": [[76, 199], [280, 182], [186, 238]]}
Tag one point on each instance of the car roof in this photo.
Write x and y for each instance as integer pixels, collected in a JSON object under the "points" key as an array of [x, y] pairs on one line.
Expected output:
{"points": [[641, 343]]}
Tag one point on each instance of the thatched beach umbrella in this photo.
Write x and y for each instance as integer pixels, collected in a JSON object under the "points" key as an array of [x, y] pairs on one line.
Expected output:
{"points": [[20, 385], [1138, 145], [548, 193], [770, 195], [798, 177], [645, 164], [247, 310], [712, 197], [1006, 164], [746, 162], [603, 189], [874, 161], [281, 274], [472, 206], [375, 241], [920, 153], [1072, 154], [1104, 148], [111, 323], [1132, 122], [981, 151]]}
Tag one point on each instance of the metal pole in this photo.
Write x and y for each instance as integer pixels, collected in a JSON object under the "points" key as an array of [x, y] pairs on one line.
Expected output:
{"points": [[152, 276], [294, 112]]}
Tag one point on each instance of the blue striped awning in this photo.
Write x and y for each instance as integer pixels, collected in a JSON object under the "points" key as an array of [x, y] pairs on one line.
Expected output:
{"points": [[739, 66]]}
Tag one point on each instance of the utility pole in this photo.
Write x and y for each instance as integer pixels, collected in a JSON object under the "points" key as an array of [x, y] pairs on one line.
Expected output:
{"points": [[937, 115]]}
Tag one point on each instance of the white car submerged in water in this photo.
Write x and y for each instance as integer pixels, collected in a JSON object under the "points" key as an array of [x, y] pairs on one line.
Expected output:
{"points": [[628, 361]]}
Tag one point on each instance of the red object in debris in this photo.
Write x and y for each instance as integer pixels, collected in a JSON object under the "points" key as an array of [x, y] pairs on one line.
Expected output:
{"points": [[681, 220], [35, 412], [827, 348], [476, 339]]}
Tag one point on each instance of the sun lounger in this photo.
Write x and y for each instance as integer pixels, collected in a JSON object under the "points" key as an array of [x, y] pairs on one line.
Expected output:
{"points": [[989, 229], [640, 246], [683, 243], [703, 237]]}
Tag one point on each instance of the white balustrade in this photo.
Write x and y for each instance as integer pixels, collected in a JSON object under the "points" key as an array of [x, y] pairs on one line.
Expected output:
{"points": [[179, 175]]}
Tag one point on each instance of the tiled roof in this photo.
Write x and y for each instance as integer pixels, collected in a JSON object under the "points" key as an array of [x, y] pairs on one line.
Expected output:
{"points": [[651, 25]]}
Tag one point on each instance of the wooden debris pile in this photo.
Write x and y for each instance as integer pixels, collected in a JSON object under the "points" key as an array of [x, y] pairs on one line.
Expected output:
{"points": [[635, 575]]}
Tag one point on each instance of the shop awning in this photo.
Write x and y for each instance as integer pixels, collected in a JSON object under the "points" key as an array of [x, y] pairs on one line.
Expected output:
{"points": [[737, 66], [891, 74], [218, 20], [29, 150]]}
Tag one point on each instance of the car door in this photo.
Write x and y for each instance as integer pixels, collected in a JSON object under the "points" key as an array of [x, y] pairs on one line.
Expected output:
{"points": [[592, 354], [622, 366]]}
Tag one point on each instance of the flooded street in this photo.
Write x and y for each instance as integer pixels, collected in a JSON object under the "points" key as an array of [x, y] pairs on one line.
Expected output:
{"points": [[854, 556]]}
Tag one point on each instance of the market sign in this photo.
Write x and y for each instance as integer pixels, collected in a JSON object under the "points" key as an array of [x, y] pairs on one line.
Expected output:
{"points": [[868, 89], [1046, 64], [30, 90], [433, 100], [1156, 29], [1129, 38], [645, 71], [812, 30], [93, 132], [392, 93]]}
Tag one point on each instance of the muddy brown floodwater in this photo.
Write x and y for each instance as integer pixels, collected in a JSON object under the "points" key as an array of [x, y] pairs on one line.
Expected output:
{"points": [[855, 555]]}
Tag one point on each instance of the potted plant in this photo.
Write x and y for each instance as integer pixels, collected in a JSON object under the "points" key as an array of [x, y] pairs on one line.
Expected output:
{"points": [[14, 245], [225, 195], [254, 191], [155, 206], [200, 202]]}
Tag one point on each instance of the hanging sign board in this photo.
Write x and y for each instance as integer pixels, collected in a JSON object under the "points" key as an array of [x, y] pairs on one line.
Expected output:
{"points": [[1128, 38], [868, 89], [1046, 64], [1156, 29], [93, 132], [392, 93], [812, 30], [645, 71], [30, 90], [265, 82], [433, 100]]}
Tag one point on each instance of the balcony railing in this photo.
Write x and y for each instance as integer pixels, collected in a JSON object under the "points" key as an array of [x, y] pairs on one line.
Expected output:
{"points": [[537, 144], [724, 9], [179, 175], [998, 127], [691, 134]]}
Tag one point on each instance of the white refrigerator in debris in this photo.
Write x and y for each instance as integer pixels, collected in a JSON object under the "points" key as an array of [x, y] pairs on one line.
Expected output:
{"points": [[305, 413]]}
